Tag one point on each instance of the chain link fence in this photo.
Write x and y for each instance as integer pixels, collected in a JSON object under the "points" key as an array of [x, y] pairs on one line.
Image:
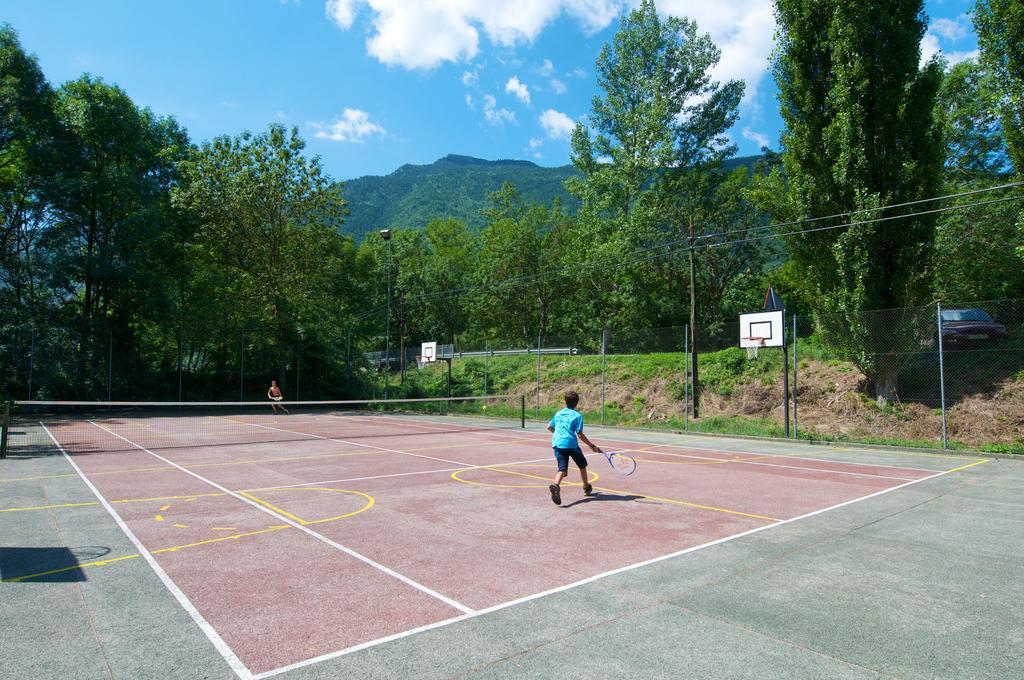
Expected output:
{"points": [[941, 375], [890, 377]]}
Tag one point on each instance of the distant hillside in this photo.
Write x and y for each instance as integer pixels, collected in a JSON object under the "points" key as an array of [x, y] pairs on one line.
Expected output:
{"points": [[454, 186]]}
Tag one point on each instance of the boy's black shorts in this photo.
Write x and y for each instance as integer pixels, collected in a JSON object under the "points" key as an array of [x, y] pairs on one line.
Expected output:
{"points": [[563, 456]]}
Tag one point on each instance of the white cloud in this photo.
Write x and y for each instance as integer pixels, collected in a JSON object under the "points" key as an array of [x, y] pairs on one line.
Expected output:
{"points": [[946, 31], [557, 124], [469, 102], [535, 144], [470, 78], [546, 69], [557, 86], [517, 89], [929, 47], [495, 115], [577, 73], [341, 12], [354, 125], [761, 138], [424, 33], [743, 29], [951, 29]]}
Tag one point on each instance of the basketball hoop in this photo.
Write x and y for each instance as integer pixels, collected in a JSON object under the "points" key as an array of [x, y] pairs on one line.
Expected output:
{"points": [[420, 361], [752, 344]]}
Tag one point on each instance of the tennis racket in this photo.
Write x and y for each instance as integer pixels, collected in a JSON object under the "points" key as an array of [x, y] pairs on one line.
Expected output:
{"points": [[620, 462], [277, 398]]}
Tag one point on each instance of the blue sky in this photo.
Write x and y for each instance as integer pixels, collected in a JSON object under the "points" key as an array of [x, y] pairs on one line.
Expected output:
{"points": [[374, 84]]}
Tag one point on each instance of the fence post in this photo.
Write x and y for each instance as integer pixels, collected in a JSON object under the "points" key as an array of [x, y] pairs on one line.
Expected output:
{"points": [[487, 364], [179, 366], [5, 426], [298, 357], [686, 377], [110, 368], [31, 357], [538, 374], [604, 353], [241, 370], [522, 411], [942, 373], [795, 436]]}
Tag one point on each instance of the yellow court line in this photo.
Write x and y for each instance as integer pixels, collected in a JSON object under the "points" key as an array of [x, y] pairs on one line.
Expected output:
{"points": [[97, 563], [50, 507], [970, 465], [181, 526], [187, 497], [273, 507], [592, 476], [164, 508], [656, 498], [223, 529], [159, 518]]}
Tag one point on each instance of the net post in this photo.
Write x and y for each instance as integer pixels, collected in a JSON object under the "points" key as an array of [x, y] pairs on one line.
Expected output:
{"points": [[522, 411], [5, 426]]}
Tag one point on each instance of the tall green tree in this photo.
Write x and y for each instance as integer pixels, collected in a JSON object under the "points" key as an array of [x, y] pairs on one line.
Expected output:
{"points": [[861, 133], [1000, 26], [28, 166], [110, 215], [518, 287], [659, 109], [967, 263], [267, 228]]}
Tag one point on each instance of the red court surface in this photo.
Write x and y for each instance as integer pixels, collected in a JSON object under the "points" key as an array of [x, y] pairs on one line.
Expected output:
{"points": [[292, 551]]}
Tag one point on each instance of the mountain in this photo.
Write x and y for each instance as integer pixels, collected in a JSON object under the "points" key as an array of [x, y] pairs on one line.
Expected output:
{"points": [[454, 186]]}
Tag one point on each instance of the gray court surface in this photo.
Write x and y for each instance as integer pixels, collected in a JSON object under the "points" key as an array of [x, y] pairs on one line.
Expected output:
{"points": [[924, 581]]}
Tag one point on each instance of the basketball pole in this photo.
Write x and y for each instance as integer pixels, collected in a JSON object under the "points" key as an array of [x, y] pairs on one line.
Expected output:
{"points": [[785, 375]]}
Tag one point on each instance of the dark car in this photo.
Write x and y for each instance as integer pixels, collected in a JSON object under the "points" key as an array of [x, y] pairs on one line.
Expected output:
{"points": [[963, 326]]}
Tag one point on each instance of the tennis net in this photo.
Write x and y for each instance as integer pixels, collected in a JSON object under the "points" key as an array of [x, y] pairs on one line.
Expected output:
{"points": [[37, 427]]}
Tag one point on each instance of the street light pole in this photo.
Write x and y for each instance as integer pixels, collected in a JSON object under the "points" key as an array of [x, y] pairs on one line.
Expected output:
{"points": [[386, 235]]}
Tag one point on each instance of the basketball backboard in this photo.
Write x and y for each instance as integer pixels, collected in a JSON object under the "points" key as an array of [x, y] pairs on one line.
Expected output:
{"points": [[428, 352], [762, 329]]}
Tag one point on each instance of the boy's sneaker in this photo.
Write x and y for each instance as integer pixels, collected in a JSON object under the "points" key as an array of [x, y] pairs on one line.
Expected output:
{"points": [[588, 490], [556, 494]]}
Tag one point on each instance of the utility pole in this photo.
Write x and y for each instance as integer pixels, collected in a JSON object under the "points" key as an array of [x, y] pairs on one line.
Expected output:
{"points": [[693, 321]]}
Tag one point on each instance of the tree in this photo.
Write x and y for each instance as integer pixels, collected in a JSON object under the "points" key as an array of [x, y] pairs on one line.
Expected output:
{"points": [[27, 134], [516, 284], [861, 133], [28, 131], [110, 216], [1000, 26], [968, 263], [267, 227], [967, 107], [660, 125]]}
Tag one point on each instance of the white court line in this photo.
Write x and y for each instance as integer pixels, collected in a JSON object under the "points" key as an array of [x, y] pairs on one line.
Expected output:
{"points": [[590, 579], [320, 537], [211, 634], [542, 437]]}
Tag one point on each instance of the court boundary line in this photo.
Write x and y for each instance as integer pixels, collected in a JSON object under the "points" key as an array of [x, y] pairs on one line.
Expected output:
{"points": [[591, 579], [229, 656], [314, 534]]}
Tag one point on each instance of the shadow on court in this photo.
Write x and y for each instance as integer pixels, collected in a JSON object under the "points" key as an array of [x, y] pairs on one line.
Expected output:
{"points": [[17, 562], [600, 496]]}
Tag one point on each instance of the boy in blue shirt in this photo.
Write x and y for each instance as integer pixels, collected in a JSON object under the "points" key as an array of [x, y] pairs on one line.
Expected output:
{"points": [[566, 426]]}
